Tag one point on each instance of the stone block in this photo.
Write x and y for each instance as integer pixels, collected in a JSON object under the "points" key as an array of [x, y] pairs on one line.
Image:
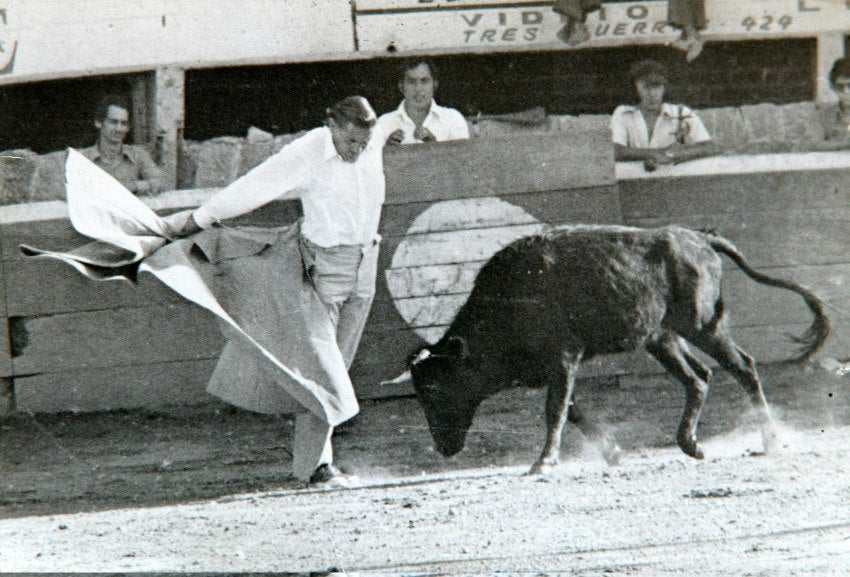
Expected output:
{"points": [[49, 181], [489, 127], [580, 123], [726, 126], [764, 123], [802, 125], [187, 164], [218, 162], [284, 139], [17, 172], [253, 153]]}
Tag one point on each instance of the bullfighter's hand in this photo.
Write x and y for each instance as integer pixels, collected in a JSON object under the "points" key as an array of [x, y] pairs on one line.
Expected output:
{"points": [[181, 224]]}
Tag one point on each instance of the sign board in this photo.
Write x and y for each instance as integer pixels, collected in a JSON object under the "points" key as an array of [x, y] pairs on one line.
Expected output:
{"points": [[42, 39], [474, 25]]}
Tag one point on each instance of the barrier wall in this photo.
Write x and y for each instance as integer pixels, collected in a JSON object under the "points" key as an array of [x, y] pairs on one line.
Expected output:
{"points": [[78, 345], [29, 177]]}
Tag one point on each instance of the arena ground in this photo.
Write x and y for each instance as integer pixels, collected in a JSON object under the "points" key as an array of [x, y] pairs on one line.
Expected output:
{"points": [[206, 489]]}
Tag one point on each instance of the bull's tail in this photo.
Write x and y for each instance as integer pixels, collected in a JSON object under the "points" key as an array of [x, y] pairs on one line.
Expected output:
{"points": [[815, 336]]}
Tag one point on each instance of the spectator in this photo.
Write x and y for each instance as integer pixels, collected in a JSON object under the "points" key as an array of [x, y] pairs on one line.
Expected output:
{"points": [[131, 165], [575, 13], [337, 172], [655, 131], [419, 118], [836, 117], [689, 17]]}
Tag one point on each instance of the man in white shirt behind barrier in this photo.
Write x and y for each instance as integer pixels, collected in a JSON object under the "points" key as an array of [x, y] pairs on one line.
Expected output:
{"points": [[653, 130], [419, 118], [337, 172]]}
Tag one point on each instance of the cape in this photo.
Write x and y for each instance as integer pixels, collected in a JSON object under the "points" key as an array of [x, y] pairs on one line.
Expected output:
{"points": [[280, 355]]}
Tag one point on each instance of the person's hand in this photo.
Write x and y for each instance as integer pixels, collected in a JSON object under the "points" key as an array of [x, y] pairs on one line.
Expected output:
{"points": [[423, 134], [659, 158], [181, 224], [396, 137]]}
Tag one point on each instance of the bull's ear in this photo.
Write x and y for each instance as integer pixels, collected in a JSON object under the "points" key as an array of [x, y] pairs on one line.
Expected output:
{"points": [[457, 347]]}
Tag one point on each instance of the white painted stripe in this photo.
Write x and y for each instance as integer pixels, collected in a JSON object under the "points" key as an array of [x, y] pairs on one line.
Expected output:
{"points": [[739, 164], [58, 209]]}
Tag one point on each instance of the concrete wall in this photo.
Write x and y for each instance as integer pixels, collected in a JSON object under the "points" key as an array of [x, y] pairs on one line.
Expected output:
{"points": [[78, 345]]}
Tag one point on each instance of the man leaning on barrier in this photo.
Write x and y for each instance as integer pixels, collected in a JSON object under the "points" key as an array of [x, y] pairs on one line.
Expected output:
{"points": [[836, 117], [655, 131], [419, 118], [130, 165]]}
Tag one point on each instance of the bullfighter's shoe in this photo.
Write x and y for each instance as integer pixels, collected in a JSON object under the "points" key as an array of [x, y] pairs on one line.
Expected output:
{"points": [[327, 476]]}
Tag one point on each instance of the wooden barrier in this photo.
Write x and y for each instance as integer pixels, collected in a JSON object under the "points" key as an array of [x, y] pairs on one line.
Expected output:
{"points": [[80, 345]]}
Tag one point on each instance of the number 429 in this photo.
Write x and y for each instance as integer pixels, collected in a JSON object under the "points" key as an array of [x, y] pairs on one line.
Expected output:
{"points": [[766, 22]]}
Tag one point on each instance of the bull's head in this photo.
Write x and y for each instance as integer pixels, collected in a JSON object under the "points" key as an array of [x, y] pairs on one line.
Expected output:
{"points": [[441, 383]]}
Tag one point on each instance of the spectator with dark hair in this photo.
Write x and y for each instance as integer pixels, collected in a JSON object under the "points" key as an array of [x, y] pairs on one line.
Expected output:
{"points": [[655, 131], [337, 171], [419, 118], [688, 16], [130, 165], [836, 116], [574, 13]]}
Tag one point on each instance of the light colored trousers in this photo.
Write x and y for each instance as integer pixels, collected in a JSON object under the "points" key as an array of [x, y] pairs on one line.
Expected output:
{"points": [[344, 278]]}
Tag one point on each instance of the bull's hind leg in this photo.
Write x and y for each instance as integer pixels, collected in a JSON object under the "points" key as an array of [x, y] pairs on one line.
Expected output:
{"points": [[672, 352], [719, 345], [557, 406]]}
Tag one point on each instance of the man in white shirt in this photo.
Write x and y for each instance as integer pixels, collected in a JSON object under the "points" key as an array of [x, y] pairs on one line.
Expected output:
{"points": [[654, 131], [419, 118], [337, 172], [129, 164]]}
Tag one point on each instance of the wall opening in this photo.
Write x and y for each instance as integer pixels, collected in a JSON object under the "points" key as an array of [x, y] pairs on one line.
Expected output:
{"points": [[53, 115], [291, 97]]}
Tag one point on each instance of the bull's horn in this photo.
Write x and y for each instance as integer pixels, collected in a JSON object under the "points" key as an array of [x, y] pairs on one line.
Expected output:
{"points": [[403, 378]]}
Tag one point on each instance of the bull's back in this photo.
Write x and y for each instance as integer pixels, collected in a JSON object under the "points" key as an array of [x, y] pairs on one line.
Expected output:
{"points": [[608, 287]]}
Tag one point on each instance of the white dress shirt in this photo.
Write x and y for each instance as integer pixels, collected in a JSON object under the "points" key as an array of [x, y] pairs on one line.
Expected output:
{"points": [[444, 123], [628, 127], [341, 200]]}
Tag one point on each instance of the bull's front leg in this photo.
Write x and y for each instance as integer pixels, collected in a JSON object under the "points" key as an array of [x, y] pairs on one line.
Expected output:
{"points": [[557, 407]]}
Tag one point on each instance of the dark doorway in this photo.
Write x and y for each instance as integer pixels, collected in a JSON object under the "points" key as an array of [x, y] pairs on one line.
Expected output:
{"points": [[48, 116]]}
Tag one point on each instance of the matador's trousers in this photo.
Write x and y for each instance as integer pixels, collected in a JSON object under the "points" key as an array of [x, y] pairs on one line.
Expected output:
{"points": [[344, 277]]}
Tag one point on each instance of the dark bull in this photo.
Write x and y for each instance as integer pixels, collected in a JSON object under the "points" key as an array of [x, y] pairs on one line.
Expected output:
{"points": [[545, 303]]}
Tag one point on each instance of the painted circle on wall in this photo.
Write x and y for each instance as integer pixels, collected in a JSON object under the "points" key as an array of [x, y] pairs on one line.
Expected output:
{"points": [[435, 265]]}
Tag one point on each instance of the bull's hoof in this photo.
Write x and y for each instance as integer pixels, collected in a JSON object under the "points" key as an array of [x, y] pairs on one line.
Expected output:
{"points": [[612, 454], [691, 448], [541, 468], [771, 440]]}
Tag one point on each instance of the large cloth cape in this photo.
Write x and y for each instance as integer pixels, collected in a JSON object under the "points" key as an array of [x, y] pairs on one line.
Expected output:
{"points": [[280, 355]]}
